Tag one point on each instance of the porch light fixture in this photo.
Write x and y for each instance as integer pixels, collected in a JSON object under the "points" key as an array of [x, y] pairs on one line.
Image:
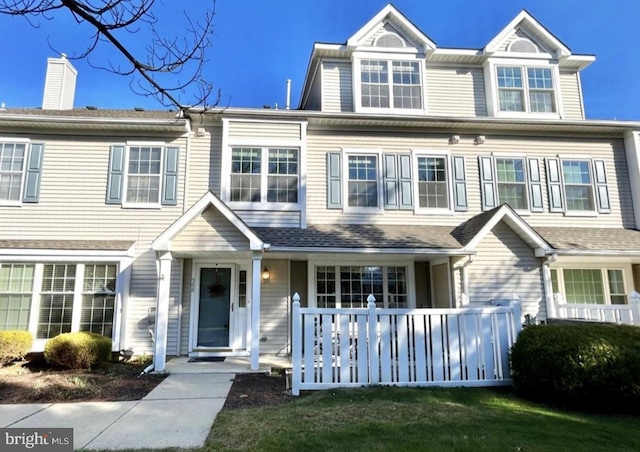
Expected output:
{"points": [[455, 139], [266, 273], [479, 139]]}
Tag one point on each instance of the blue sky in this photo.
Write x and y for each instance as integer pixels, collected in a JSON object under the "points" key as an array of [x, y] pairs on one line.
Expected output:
{"points": [[259, 44]]}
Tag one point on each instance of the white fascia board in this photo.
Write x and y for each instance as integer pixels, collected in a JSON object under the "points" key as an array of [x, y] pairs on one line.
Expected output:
{"points": [[408, 251], [579, 61], [527, 19], [599, 253], [457, 52], [163, 241], [516, 223]]}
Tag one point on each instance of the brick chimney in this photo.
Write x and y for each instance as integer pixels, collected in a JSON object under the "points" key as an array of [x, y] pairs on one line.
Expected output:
{"points": [[60, 84]]}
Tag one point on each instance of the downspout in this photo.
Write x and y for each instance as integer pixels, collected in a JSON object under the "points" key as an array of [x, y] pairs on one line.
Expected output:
{"points": [[185, 195], [548, 289]]}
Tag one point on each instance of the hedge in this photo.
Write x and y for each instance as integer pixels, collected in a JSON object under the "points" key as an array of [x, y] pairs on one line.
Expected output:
{"points": [[594, 366], [14, 344], [80, 350]]}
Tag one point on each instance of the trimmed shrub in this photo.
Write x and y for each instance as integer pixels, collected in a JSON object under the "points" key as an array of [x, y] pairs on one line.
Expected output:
{"points": [[589, 366], [14, 345], [81, 350]]}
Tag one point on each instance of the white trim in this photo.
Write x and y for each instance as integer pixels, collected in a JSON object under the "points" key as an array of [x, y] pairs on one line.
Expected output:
{"points": [[603, 267], [524, 18], [163, 241], [416, 154], [302, 176], [363, 152], [390, 14], [25, 160], [579, 213], [125, 175], [520, 227]]}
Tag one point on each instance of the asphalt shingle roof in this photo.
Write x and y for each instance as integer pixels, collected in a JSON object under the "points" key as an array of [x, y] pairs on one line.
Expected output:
{"points": [[360, 236], [591, 239], [97, 113]]}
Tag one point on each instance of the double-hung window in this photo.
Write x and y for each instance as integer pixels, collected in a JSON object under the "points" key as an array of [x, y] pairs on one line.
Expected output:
{"points": [[143, 175], [268, 175], [390, 84], [349, 286], [578, 185], [511, 182], [362, 180], [525, 89], [590, 285], [20, 171], [433, 185]]}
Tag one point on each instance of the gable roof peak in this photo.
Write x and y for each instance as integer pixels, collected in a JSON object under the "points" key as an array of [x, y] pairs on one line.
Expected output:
{"points": [[524, 19], [391, 14]]}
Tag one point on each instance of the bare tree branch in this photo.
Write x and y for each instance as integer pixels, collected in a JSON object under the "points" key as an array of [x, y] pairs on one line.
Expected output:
{"points": [[164, 58]]}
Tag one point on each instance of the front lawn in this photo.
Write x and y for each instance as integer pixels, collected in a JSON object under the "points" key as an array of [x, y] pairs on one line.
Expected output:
{"points": [[387, 418]]}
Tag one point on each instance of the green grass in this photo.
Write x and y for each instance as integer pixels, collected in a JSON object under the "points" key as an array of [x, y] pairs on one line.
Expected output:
{"points": [[400, 419]]}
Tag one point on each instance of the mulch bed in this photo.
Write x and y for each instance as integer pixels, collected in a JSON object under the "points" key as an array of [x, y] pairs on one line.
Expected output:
{"points": [[257, 390]]}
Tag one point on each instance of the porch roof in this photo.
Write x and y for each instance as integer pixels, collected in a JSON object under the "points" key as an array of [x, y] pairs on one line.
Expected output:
{"points": [[361, 237], [592, 239]]}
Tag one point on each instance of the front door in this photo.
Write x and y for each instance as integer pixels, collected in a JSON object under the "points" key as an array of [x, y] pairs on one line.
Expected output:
{"points": [[215, 315]]}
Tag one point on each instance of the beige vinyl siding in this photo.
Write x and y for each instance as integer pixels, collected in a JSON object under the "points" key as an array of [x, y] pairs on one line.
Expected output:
{"points": [[609, 149], [240, 130], [72, 207], [205, 157], [571, 95], [186, 306], [505, 265], [210, 232], [337, 86], [455, 91], [270, 218], [274, 307]]}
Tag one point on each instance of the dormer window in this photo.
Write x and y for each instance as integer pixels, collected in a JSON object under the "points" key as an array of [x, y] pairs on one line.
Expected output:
{"points": [[525, 89], [389, 84]]}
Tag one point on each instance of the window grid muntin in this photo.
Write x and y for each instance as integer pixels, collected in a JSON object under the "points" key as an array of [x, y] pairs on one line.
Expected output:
{"points": [[282, 180], [56, 300], [144, 169], [12, 164], [374, 79], [512, 182], [578, 185], [16, 289], [617, 291], [517, 83], [401, 79], [362, 180], [349, 286], [246, 168], [433, 188], [98, 298]]}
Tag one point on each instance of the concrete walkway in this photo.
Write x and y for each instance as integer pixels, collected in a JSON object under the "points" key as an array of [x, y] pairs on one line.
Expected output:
{"points": [[179, 412]]}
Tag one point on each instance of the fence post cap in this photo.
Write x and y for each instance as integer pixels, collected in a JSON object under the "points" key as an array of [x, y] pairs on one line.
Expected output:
{"points": [[635, 296], [371, 298], [296, 297]]}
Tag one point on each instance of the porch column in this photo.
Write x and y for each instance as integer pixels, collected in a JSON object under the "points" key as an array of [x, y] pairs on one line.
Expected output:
{"points": [[549, 301], [163, 263], [255, 310]]}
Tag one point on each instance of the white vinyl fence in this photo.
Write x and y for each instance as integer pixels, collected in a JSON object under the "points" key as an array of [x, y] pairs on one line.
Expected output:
{"points": [[626, 314], [409, 347]]}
